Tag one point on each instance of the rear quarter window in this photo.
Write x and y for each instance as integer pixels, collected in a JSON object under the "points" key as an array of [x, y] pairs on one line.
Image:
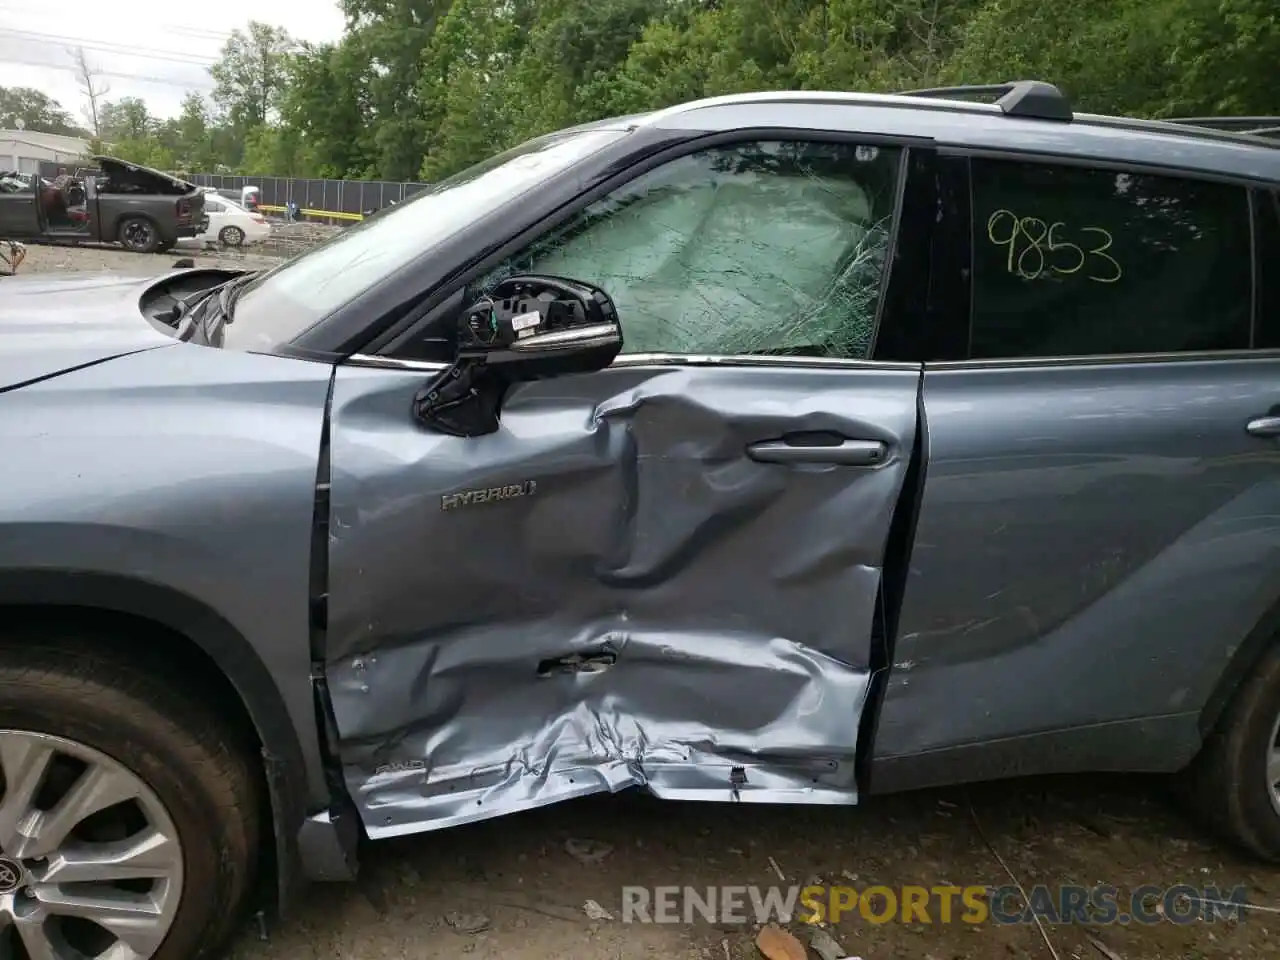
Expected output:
{"points": [[1077, 261]]}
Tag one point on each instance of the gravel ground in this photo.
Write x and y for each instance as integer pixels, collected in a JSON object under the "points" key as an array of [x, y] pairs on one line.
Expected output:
{"points": [[515, 888], [42, 259], [524, 881], [286, 240]]}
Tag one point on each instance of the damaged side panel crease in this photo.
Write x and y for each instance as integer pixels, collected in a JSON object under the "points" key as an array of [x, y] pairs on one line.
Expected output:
{"points": [[652, 609]]}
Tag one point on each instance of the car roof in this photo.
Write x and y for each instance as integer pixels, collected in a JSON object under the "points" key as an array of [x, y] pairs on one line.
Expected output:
{"points": [[1046, 127]]}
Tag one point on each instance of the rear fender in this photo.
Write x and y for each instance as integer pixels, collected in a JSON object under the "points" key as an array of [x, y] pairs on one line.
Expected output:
{"points": [[1242, 663]]}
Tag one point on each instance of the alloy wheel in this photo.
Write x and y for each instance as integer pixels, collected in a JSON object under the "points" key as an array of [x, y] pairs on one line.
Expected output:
{"points": [[1273, 766], [137, 234], [90, 860]]}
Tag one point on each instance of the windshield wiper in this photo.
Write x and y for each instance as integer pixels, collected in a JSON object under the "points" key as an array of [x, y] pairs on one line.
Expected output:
{"points": [[204, 316]]}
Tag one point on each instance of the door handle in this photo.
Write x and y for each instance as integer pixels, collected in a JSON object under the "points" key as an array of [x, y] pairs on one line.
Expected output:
{"points": [[845, 453], [1264, 427]]}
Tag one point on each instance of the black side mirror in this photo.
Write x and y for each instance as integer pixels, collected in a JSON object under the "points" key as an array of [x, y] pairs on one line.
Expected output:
{"points": [[528, 328]]}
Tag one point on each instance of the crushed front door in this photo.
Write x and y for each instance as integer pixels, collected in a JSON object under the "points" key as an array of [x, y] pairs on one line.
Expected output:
{"points": [[656, 575]]}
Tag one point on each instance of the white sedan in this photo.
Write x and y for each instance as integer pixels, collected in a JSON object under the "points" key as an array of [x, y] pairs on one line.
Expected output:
{"points": [[230, 224]]}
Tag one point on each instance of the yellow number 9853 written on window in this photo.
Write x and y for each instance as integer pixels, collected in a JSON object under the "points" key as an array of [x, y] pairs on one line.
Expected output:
{"points": [[1044, 248]]}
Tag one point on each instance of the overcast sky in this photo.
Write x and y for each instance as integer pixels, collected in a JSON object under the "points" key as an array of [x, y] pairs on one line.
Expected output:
{"points": [[153, 49]]}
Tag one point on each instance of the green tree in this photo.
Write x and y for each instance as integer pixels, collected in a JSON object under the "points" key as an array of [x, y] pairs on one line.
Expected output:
{"points": [[1225, 55], [574, 46], [276, 151], [147, 152], [190, 135], [36, 111], [1112, 59], [465, 89], [425, 87], [193, 121], [125, 119], [251, 74], [329, 106], [389, 37]]}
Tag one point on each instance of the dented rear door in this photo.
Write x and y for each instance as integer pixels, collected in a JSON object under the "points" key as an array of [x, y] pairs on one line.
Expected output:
{"points": [[664, 574]]}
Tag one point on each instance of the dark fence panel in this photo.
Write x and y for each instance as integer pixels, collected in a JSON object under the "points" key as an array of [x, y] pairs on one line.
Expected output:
{"points": [[350, 197]]}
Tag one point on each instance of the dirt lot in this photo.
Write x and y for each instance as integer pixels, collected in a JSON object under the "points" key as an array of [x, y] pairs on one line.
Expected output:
{"points": [[524, 878], [516, 888], [285, 241]]}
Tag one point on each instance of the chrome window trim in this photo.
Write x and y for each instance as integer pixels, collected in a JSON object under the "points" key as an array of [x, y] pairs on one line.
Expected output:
{"points": [[749, 360], [393, 363], [1109, 359], [668, 360]]}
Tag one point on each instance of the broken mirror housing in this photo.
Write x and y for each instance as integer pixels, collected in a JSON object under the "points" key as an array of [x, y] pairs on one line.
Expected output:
{"points": [[527, 328], [548, 326]]}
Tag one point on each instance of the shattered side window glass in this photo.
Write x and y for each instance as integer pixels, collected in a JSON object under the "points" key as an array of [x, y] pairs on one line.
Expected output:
{"points": [[759, 248]]}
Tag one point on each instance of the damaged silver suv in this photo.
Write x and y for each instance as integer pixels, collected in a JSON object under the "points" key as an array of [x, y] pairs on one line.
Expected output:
{"points": [[774, 448]]}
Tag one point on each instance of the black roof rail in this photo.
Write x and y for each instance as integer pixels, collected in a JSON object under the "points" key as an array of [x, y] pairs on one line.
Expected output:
{"points": [[1258, 126], [1017, 98]]}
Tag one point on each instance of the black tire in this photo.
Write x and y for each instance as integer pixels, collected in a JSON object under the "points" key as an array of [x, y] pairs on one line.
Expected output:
{"points": [[174, 743], [138, 234], [1226, 785], [231, 237]]}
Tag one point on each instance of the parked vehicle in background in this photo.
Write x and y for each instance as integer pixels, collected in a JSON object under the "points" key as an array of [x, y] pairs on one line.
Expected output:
{"points": [[142, 209], [223, 192], [230, 225], [784, 447]]}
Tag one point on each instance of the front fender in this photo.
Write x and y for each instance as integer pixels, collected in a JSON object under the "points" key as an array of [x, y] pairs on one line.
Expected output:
{"points": [[90, 592], [178, 485]]}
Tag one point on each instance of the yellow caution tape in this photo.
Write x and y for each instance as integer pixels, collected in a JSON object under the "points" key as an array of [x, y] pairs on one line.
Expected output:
{"points": [[305, 212]]}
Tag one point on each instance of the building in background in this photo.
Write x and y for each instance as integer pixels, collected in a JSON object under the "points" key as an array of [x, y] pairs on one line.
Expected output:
{"points": [[25, 150]]}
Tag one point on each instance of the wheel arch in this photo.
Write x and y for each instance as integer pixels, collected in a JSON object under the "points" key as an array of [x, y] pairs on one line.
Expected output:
{"points": [[198, 638], [1264, 635]]}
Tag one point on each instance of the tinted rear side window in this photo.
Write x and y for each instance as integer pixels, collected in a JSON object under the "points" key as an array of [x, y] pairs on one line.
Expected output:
{"points": [[1267, 325], [1074, 261]]}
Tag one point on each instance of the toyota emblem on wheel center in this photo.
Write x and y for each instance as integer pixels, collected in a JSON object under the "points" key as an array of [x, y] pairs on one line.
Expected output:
{"points": [[10, 876]]}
